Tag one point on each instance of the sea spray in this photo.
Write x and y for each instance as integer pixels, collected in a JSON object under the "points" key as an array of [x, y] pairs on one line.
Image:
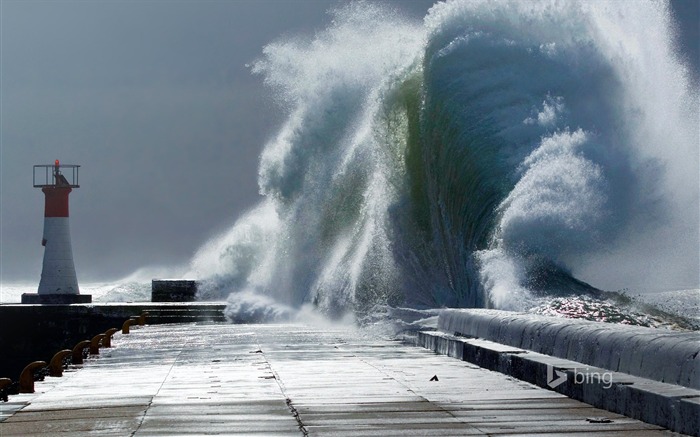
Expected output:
{"points": [[327, 176], [494, 153]]}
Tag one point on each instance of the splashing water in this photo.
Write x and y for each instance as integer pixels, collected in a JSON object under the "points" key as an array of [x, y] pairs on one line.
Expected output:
{"points": [[496, 152]]}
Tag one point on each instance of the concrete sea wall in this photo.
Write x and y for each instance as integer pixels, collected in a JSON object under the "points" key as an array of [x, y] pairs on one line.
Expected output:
{"points": [[644, 373], [662, 355], [35, 332]]}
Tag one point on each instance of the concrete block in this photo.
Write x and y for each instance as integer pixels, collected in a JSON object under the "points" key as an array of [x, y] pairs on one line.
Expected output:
{"points": [[173, 290], [689, 412], [55, 299]]}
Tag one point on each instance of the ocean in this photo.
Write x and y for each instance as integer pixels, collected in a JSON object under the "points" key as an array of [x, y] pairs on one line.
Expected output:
{"points": [[534, 156], [497, 154], [116, 291]]}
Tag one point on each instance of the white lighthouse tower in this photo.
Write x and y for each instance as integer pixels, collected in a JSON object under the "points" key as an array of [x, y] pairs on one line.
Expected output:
{"points": [[59, 283]]}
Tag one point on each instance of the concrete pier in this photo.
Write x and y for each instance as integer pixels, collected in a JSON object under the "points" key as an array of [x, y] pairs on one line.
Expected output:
{"points": [[223, 379], [36, 332], [645, 373]]}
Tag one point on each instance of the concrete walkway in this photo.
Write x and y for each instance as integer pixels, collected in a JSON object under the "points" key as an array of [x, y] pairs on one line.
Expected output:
{"points": [[222, 379]]}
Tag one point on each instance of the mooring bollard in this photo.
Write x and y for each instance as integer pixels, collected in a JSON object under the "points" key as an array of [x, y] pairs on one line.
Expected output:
{"points": [[107, 341], [26, 378], [126, 325], [78, 351], [95, 344], [56, 363], [4, 384], [142, 318]]}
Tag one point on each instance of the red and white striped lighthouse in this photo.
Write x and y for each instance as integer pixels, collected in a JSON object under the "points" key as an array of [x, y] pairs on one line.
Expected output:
{"points": [[59, 283]]}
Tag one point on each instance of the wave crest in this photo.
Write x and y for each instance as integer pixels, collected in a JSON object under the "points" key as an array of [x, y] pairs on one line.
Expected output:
{"points": [[496, 150]]}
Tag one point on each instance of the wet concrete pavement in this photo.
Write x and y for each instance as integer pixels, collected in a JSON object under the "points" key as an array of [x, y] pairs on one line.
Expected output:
{"points": [[222, 379]]}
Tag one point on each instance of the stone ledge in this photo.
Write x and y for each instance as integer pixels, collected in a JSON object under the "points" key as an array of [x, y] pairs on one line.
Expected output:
{"points": [[662, 355], [55, 299]]}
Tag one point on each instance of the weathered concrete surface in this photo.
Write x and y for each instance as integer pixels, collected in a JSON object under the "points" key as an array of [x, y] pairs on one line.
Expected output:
{"points": [[658, 354], [36, 332], [226, 379], [671, 406]]}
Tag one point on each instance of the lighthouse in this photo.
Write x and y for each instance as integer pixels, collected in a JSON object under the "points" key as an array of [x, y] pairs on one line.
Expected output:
{"points": [[59, 283]]}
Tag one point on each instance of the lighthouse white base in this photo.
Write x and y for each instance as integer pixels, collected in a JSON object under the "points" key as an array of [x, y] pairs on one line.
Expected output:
{"points": [[58, 272]]}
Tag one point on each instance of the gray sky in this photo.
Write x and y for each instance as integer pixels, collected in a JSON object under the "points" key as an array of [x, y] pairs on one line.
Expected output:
{"points": [[154, 101]]}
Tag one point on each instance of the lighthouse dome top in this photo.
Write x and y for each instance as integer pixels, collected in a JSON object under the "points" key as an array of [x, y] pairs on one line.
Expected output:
{"points": [[56, 175]]}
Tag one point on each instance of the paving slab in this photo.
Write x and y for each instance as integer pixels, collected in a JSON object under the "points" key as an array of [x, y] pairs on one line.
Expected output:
{"points": [[223, 379]]}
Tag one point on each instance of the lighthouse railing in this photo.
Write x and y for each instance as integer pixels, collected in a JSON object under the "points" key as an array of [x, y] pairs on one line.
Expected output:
{"points": [[44, 175]]}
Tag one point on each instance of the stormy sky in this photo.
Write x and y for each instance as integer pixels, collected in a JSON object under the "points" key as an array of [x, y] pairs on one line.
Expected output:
{"points": [[154, 100]]}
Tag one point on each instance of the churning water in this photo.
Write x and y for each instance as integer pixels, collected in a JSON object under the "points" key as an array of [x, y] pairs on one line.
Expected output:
{"points": [[495, 153]]}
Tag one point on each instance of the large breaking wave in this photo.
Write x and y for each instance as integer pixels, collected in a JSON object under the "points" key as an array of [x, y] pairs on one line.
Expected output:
{"points": [[494, 152]]}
